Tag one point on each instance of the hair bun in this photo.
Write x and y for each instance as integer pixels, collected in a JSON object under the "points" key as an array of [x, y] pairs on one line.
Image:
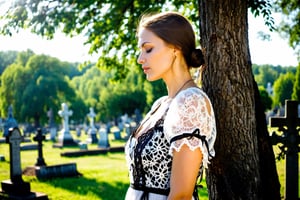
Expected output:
{"points": [[197, 58]]}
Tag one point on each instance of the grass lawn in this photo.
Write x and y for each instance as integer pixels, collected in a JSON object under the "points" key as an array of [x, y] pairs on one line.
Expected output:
{"points": [[105, 177]]}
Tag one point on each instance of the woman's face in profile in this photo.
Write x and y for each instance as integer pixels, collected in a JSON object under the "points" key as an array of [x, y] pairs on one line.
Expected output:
{"points": [[156, 57]]}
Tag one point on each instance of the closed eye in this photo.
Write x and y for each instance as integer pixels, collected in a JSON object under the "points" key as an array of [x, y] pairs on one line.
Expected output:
{"points": [[148, 50]]}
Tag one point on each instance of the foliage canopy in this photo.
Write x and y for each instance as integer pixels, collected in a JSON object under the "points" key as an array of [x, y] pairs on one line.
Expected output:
{"points": [[109, 26]]}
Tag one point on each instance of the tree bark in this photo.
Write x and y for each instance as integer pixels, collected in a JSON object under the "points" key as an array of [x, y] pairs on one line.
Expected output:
{"points": [[235, 172]]}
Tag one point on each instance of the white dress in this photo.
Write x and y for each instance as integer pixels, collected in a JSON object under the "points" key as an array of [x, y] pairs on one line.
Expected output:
{"points": [[169, 124]]}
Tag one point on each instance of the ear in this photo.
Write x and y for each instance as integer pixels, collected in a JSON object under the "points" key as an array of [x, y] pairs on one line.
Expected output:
{"points": [[176, 50]]}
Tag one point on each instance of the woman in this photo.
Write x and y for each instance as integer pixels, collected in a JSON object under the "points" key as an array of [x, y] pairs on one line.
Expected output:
{"points": [[166, 153]]}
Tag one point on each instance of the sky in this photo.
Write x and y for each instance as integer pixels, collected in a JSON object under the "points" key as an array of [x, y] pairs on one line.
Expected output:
{"points": [[274, 52]]}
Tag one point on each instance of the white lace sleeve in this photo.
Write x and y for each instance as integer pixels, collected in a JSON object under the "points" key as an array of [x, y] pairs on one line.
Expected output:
{"points": [[191, 114]]}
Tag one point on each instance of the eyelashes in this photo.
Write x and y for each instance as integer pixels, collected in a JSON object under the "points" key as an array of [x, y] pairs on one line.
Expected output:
{"points": [[149, 50]]}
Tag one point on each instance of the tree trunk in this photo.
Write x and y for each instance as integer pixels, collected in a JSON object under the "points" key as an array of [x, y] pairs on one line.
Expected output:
{"points": [[235, 171]]}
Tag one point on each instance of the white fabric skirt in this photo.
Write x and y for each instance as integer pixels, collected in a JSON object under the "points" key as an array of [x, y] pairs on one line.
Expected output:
{"points": [[133, 194]]}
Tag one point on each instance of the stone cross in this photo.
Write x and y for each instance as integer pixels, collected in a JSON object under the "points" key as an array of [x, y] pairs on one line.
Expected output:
{"points": [[290, 141], [14, 139], [65, 138], [39, 138], [65, 113]]}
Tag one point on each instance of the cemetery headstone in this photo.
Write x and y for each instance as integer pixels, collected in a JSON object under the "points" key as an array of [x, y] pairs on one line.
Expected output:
{"points": [[269, 89], [117, 133], [52, 126], [127, 131], [65, 138], [290, 146], [16, 188], [10, 121], [78, 131], [92, 132], [103, 141], [39, 138], [42, 171]]}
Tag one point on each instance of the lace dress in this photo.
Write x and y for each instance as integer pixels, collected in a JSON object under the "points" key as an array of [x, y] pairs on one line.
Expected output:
{"points": [[170, 124]]}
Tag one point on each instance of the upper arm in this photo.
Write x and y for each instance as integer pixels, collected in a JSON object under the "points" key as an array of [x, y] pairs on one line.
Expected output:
{"points": [[185, 169]]}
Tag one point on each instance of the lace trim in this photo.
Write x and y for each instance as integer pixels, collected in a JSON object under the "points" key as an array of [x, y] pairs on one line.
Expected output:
{"points": [[193, 140]]}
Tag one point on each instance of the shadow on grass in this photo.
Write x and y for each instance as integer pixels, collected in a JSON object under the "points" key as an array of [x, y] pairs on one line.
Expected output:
{"points": [[83, 186]]}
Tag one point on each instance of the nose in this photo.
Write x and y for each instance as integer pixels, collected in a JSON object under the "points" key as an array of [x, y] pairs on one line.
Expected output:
{"points": [[141, 59]]}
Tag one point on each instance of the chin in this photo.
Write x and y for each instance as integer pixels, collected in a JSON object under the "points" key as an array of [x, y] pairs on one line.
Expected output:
{"points": [[149, 78]]}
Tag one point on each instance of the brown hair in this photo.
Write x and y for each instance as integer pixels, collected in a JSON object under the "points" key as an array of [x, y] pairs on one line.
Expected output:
{"points": [[175, 29]]}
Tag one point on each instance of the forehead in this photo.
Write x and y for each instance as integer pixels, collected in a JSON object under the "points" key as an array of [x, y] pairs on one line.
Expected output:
{"points": [[145, 36]]}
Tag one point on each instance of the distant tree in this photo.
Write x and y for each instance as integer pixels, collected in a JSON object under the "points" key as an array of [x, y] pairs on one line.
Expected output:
{"points": [[283, 88], [35, 88], [123, 97], [7, 58], [296, 87], [23, 57], [79, 108], [266, 74], [265, 98], [111, 99], [290, 24]]}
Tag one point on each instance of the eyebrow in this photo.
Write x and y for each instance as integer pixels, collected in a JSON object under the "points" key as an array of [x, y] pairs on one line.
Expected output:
{"points": [[143, 44]]}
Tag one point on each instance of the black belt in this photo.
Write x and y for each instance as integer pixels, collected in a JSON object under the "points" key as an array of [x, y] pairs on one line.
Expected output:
{"points": [[148, 190]]}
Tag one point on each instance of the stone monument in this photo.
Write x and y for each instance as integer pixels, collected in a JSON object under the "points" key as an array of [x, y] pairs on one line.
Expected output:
{"points": [[103, 141], [65, 138], [42, 171], [289, 149], [92, 132], [16, 188], [10, 121]]}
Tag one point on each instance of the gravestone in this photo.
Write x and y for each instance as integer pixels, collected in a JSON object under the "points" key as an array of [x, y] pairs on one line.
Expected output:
{"points": [[78, 131], [103, 141], [290, 146], [16, 188], [52, 126], [65, 138], [10, 121], [42, 171], [269, 89], [127, 131], [117, 133], [39, 139], [92, 132]]}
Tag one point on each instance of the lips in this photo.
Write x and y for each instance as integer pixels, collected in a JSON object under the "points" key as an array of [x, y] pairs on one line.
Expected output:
{"points": [[145, 69]]}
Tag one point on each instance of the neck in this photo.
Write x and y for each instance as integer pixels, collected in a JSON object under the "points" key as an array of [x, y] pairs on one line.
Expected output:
{"points": [[184, 85]]}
